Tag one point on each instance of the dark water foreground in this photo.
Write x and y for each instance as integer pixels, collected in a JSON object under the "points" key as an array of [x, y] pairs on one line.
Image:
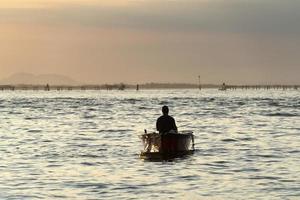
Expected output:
{"points": [[85, 145]]}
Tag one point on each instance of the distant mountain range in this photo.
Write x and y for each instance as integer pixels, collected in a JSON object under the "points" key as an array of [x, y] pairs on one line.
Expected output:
{"points": [[43, 79]]}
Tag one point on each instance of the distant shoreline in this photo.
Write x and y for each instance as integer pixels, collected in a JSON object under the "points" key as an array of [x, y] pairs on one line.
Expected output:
{"points": [[145, 86]]}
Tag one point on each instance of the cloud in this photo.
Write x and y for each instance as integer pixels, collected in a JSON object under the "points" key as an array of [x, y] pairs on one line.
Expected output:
{"points": [[237, 16]]}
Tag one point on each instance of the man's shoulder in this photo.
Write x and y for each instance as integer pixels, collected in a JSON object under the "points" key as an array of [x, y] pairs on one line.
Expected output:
{"points": [[165, 117], [171, 118], [161, 117]]}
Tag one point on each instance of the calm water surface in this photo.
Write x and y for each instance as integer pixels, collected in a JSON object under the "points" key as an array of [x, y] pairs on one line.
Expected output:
{"points": [[85, 145]]}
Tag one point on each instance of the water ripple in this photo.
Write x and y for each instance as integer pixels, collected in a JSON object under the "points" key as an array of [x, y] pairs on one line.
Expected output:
{"points": [[85, 145]]}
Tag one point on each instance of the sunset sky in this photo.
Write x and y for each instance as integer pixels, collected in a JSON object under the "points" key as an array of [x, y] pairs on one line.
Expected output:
{"points": [[137, 41]]}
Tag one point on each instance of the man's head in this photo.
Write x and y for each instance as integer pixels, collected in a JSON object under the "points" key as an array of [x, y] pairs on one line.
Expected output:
{"points": [[165, 110]]}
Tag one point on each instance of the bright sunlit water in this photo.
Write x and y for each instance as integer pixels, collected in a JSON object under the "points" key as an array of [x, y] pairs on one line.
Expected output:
{"points": [[85, 145]]}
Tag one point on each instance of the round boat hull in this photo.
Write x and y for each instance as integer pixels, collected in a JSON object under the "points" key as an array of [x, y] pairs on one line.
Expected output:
{"points": [[162, 146]]}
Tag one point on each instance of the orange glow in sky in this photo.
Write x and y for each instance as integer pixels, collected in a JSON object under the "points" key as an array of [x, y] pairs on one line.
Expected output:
{"points": [[50, 3], [107, 41]]}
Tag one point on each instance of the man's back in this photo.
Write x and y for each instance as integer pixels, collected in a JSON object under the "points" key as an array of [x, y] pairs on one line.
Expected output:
{"points": [[165, 123]]}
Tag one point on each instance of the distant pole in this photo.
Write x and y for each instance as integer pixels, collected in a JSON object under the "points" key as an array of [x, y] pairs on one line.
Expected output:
{"points": [[137, 87], [47, 88], [199, 82]]}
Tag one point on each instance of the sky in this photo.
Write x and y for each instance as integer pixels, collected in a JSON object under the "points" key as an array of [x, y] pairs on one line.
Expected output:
{"points": [[139, 41]]}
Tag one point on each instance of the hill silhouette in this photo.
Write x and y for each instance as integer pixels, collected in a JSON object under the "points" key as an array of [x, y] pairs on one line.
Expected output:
{"points": [[31, 79]]}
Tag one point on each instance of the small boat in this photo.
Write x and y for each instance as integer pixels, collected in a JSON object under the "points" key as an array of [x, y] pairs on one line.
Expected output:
{"points": [[167, 146], [223, 88]]}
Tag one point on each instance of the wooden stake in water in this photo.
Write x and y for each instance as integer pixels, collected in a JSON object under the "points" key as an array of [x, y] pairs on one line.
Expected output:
{"points": [[199, 82]]}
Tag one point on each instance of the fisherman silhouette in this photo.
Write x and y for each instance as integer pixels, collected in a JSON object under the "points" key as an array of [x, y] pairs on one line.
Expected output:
{"points": [[165, 123]]}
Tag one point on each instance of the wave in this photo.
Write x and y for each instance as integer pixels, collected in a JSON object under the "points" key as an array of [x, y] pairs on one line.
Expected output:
{"points": [[229, 140], [278, 114], [114, 130], [265, 177], [131, 101], [144, 108]]}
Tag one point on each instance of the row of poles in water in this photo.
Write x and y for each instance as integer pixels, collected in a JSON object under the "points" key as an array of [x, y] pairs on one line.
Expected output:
{"points": [[122, 86], [138, 87]]}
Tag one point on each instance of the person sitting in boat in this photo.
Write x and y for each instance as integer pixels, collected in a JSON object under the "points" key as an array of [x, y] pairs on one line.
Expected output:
{"points": [[166, 123]]}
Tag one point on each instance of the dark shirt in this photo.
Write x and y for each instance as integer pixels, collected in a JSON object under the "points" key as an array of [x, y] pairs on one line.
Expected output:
{"points": [[165, 123]]}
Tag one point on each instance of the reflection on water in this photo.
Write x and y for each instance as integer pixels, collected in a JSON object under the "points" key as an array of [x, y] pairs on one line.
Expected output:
{"points": [[85, 145]]}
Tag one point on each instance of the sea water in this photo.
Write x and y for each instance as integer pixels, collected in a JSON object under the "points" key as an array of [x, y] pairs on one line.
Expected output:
{"points": [[85, 145]]}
